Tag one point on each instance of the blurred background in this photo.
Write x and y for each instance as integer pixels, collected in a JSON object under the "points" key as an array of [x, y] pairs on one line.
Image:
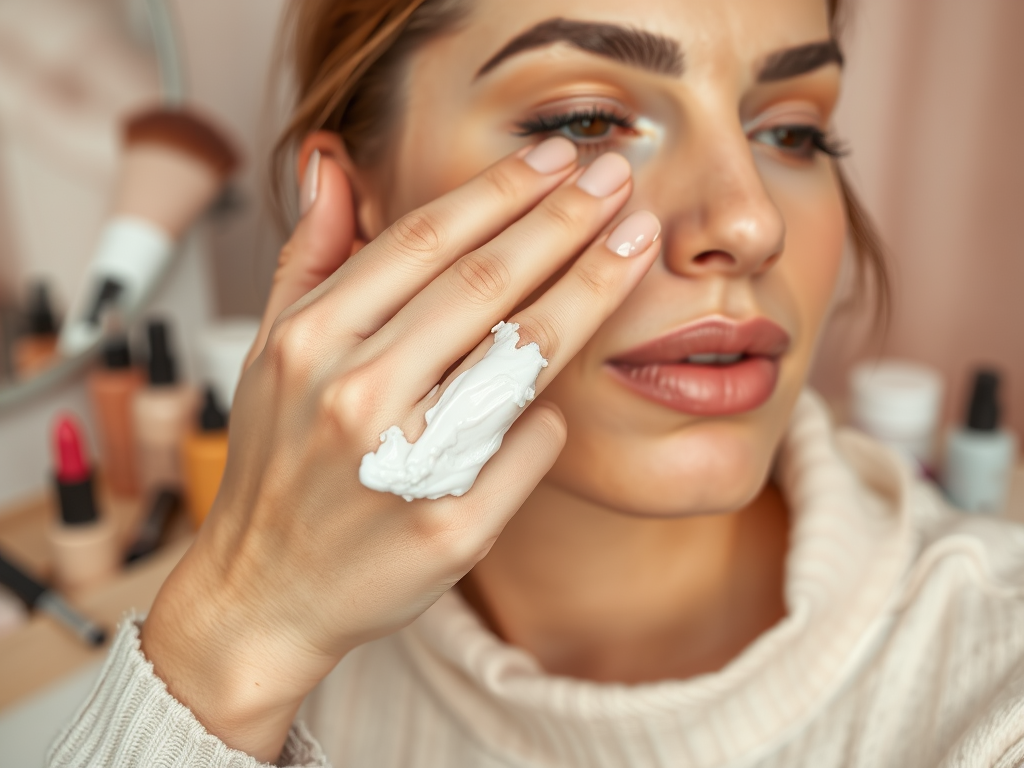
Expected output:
{"points": [[933, 100]]}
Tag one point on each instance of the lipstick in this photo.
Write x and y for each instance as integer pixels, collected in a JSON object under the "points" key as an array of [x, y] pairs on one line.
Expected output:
{"points": [[713, 367], [84, 544]]}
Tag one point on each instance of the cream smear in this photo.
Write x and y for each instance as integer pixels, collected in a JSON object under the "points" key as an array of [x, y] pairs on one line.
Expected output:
{"points": [[464, 429]]}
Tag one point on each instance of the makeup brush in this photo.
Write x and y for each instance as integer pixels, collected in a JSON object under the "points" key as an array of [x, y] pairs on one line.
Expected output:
{"points": [[174, 165]]}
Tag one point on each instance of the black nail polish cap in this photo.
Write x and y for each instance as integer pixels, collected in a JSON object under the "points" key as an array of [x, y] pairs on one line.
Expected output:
{"points": [[39, 319], [162, 369], [983, 409], [212, 418]]}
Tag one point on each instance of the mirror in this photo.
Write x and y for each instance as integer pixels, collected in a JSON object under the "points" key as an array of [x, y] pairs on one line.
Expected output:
{"points": [[69, 74]]}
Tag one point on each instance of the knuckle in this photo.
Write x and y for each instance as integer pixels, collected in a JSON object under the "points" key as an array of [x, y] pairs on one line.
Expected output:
{"points": [[480, 278], [287, 255], [593, 279], [350, 401], [551, 425], [506, 185], [565, 216], [292, 346], [540, 328], [418, 234]]}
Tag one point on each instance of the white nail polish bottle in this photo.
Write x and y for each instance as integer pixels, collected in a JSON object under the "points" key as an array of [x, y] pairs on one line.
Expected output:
{"points": [[980, 456]]}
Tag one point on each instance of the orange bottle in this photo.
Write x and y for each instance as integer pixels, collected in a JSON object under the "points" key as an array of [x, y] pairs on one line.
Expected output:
{"points": [[112, 388], [37, 348], [203, 458]]}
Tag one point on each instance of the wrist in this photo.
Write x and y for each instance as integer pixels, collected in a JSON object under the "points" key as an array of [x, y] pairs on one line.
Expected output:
{"points": [[243, 684]]}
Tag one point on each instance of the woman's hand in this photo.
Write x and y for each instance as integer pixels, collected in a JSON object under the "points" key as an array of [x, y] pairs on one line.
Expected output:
{"points": [[299, 563]]}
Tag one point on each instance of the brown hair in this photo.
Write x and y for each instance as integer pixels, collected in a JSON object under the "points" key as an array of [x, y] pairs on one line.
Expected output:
{"points": [[348, 58]]}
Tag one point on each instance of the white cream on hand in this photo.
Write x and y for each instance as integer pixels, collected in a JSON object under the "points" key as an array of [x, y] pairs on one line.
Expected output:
{"points": [[464, 429]]}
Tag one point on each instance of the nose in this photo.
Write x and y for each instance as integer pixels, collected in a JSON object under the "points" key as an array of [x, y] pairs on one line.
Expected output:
{"points": [[727, 223]]}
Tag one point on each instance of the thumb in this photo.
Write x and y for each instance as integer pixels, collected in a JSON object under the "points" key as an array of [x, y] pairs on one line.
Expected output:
{"points": [[322, 241]]}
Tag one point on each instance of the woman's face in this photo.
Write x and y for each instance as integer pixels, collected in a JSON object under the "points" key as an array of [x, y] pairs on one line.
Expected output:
{"points": [[720, 108]]}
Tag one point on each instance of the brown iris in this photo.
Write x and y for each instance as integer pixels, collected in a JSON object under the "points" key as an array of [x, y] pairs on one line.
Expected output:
{"points": [[589, 127]]}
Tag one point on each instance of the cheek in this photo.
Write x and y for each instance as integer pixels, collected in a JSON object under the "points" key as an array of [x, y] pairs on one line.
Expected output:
{"points": [[805, 278]]}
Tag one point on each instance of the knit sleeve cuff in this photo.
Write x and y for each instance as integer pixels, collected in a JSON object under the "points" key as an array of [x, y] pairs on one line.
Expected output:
{"points": [[131, 721]]}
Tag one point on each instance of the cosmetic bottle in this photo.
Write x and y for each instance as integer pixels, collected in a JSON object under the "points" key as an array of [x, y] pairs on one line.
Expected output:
{"points": [[898, 403], [112, 389], [204, 455], [85, 546], [161, 413], [980, 456], [37, 346], [174, 163]]}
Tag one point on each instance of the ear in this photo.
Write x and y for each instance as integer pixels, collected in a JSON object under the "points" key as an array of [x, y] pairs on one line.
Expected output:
{"points": [[366, 210]]}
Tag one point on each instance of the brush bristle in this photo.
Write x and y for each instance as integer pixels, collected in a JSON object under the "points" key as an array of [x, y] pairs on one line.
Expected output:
{"points": [[186, 131]]}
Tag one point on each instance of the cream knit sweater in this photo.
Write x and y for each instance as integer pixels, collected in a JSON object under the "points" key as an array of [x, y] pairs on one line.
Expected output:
{"points": [[903, 647]]}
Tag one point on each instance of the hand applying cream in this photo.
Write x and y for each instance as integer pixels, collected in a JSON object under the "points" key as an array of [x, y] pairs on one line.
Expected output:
{"points": [[464, 429]]}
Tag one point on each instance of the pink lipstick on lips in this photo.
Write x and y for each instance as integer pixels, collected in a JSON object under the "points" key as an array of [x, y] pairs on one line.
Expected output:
{"points": [[713, 367]]}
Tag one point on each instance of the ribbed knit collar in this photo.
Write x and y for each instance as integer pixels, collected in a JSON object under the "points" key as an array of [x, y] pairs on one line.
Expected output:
{"points": [[851, 544]]}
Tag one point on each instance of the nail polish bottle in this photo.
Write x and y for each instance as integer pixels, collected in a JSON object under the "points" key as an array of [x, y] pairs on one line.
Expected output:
{"points": [[161, 414], [204, 455], [37, 346], [85, 546], [980, 456], [112, 389]]}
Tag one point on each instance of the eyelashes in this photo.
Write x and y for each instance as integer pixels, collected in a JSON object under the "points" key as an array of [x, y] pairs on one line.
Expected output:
{"points": [[800, 141], [584, 126], [592, 128]]}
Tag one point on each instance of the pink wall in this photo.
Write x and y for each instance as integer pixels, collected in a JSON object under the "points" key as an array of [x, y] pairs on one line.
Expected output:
{"points": [[933, 108]]}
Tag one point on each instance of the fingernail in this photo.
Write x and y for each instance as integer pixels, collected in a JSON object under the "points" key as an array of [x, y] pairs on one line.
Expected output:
{"points": [[310, 183], [634, 234], [605, 175], [551, 155]]}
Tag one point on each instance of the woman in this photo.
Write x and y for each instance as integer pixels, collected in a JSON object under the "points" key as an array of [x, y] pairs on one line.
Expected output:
{"points": [[673, 559]]}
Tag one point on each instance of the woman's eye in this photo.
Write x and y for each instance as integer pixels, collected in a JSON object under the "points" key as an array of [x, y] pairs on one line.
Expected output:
{"points": [[798, 140], [588, 128]]}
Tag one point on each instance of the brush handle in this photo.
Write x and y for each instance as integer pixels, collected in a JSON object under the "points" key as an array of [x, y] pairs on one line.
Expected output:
{"points": [[24, 586]]}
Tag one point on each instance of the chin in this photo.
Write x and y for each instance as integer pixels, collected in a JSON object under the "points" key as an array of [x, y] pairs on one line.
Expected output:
{"points": [[712, 466]]}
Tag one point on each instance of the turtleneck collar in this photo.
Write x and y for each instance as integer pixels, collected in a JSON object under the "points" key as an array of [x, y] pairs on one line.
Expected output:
{"points": [[851, 545]]}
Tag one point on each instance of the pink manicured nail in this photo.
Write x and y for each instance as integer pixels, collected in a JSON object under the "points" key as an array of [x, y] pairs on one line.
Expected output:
{"points": [[310, 183], [605, 175], [551, 155], [634, 234]]}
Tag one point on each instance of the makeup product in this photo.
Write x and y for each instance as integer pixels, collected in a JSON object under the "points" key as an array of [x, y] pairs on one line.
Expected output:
{"points": [[112, 388], [85, 548], [37, 346], [204, 456], [39, 597], [980, 456], [465, 427], [223, 347], [161, 413], [899, 403], [173, 167], [161, 511]]}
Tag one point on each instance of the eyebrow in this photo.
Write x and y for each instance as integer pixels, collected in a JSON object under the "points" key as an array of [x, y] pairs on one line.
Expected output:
{"points": [[791, 62], [634, 47]]}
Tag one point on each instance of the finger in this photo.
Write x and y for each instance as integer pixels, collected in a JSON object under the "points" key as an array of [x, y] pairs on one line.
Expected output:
{"points": [[562, 320], [388, 272], [527, 453], [456, 310], [323, 240]]}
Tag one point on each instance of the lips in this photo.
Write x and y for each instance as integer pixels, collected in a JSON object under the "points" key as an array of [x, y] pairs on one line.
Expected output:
{"points": [[714, 367]]}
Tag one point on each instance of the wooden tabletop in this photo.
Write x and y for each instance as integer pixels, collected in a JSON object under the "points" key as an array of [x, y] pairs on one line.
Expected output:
{"points": [[43, 651]]}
